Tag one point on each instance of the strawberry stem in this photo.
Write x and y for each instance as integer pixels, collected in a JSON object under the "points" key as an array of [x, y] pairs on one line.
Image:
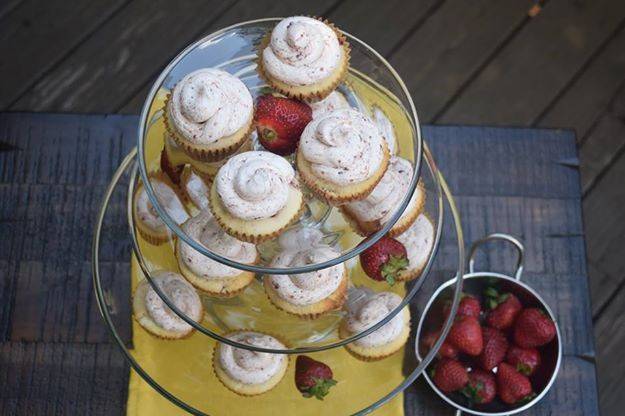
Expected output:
{"points": [[320, 389], [392, 267]]}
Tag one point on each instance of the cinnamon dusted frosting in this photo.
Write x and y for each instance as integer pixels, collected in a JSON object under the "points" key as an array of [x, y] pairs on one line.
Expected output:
{"points": [[209, 104], [366, 308], [334, 101], [419, 241], [255, 185], [196, 190], [180, 293], [306, 288], [302, 51], [204, 229], [251, 367], [386, 129], [383, 201], [167, 198], [344, 147]]}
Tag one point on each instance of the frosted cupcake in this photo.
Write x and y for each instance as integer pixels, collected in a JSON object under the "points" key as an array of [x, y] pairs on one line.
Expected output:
{"points": [[419, 242], [366, 308], [334, 101], [304, 58], [370, 214], [255, 196], [149, 224], [342, 156], [246, 372], [209, 114], [386, 129], [206, 274], [195, 188], [155, 316], [308, 295]]}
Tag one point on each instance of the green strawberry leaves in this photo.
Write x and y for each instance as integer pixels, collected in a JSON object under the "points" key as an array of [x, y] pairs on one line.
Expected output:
{"points": [[320, 389], [392, 267]]}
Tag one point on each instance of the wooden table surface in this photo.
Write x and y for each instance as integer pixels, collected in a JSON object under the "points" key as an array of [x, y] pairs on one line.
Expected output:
{"points": [[57, 358], [547, 63]]}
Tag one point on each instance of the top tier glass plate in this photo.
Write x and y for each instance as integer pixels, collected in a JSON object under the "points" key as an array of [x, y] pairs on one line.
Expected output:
{"points": [[372, 86]]}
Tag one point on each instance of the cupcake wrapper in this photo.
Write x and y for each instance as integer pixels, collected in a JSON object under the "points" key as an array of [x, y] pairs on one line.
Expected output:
{"points": [[374, 354], [204, 153], [313, 94]]}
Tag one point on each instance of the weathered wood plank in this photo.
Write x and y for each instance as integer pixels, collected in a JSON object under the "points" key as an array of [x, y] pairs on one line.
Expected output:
{"points": [[35, 36], [42, 378], [531, 70], [435, 62]]}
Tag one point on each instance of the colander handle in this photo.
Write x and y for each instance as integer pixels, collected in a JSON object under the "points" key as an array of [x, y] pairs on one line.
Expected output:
{"points": [[499, 236]]}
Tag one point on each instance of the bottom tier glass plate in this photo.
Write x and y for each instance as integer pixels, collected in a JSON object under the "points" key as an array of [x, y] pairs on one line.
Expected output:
{"points": [[182, 372]]}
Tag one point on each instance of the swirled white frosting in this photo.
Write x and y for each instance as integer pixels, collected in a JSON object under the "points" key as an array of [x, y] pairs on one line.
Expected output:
{"points": [[209, 104], [180, 293], [254, 185], [384, 200], [251, 367], [334, 101], [302, 51], [167, 198], [300, 238], [204, 229], [366, 308], [196, 189], [386, 129], [306, 288], [343, 147], [419, 241]]}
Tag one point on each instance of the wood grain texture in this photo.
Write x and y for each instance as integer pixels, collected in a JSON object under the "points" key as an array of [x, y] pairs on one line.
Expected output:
{"points": [[540, 60]]}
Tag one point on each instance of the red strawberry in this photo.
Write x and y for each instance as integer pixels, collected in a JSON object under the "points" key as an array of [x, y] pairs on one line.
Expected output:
{"points": [[280, 122], [170, 170], [313, 378], [468, 306], [504, 309], [512, 386], [384, 260], [466, 335], [481, 387], [525, 360], [533, 328], [495, 347], [450, 375], [446, 351]]}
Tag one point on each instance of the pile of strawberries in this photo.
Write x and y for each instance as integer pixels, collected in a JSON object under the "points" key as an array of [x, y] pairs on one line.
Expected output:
{"points": [[493, 352]]}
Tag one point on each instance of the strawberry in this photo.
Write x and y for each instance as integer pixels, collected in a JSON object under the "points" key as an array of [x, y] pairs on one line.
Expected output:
{"points": [[450, 375], [170, 170], [504, 309], [533, 328], [466, 335], [525, 360], [468, 306], [384, 260], [495, 348], [313, 378], [481, 388], [446, 350], [280, 122], [512, 386]]}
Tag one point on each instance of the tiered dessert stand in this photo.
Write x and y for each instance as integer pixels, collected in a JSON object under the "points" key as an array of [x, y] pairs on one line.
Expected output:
{"points": [[372, 85]]}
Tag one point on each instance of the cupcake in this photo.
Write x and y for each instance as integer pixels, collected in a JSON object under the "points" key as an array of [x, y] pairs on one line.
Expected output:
{"points": [[155, 316], [334, 101], [365, 308], [247, 372], [255, 196], [209, 114], [149, 224], [419, 242], [370, 214], [209, 275], [308, 295], [342, 156], [195, 188], [386, 129], [304, 58]]}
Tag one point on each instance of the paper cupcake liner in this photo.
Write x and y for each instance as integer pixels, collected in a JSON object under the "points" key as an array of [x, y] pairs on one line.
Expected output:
{"points": [[375, 353], [314, 92], [200, 153]]}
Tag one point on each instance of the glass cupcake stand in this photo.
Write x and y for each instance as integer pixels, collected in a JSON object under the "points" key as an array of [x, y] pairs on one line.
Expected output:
{"points": [[373, 87]]}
